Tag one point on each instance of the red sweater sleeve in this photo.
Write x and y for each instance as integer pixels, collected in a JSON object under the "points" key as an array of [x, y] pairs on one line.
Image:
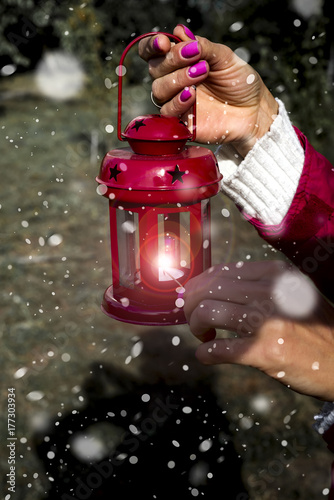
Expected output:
{"points": [[306, 234]]}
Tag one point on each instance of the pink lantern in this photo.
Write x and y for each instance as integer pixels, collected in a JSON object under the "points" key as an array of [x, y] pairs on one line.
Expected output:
{"points": [[159, 194]]}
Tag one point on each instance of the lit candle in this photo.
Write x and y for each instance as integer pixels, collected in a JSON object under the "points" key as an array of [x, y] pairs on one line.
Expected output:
{"points": [[166, 262], [166, 272]]}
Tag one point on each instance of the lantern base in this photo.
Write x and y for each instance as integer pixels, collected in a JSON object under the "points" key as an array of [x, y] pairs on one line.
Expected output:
{"points": [[141, 314]]}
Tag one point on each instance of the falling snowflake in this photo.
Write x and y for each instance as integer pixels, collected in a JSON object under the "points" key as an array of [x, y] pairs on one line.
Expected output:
{"points": [[205, 445], [35, 396], [59, 75], [137, 349]]}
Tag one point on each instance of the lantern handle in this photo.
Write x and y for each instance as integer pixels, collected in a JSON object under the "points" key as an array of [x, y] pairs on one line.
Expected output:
{"points": [[120, 83]]}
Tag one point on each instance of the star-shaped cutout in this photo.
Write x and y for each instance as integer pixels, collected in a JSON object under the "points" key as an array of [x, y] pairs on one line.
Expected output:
{"points": [[176, 174], [138, 124], [114, 172]]}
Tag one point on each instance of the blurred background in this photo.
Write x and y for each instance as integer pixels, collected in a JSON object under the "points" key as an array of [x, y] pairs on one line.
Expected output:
{"points": [[88, 387]]}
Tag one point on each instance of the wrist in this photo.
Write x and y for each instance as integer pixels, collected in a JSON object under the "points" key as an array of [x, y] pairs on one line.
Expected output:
{"points": [[264, 183], [266, 114]]}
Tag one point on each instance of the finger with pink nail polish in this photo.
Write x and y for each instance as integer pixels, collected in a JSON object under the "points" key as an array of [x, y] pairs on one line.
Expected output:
{"points": [[190, 50], [198, 69], [187, 31], [156, 45], [185, 94]]}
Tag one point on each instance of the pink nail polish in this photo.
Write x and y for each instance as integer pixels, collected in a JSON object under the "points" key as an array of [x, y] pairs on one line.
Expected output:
{"points": [[185, 95], [156, 45], [188, 32], [190, 50], [197, 70]]}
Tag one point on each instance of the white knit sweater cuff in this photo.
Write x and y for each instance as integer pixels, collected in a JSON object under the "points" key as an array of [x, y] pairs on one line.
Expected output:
{"points": [[325, 419], [264, 183]]}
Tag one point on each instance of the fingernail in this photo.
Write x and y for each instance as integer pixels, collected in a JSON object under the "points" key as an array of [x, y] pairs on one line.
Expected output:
{"points": [[185, 95], [197, 70], [188, 32], [156, 45], [190, 50]]}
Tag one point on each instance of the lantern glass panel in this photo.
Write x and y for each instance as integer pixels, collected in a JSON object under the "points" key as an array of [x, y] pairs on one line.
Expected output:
{"points": [[173, 245], [185, 238], [128, 247], [206, 231]]}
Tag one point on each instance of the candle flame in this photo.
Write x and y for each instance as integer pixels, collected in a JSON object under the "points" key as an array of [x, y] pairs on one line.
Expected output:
{"points": [[165, 262]]}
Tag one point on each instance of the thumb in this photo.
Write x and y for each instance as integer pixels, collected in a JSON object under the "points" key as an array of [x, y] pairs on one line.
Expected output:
{"points": [[240, 351], [184, 33]]}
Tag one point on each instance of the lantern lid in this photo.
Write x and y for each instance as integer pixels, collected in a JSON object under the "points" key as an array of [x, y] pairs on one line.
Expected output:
{"points": [[156, 134], [187, 177]]}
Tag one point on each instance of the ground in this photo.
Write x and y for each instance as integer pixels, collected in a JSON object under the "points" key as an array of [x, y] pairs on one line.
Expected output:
{"points": [[61, 354]]}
